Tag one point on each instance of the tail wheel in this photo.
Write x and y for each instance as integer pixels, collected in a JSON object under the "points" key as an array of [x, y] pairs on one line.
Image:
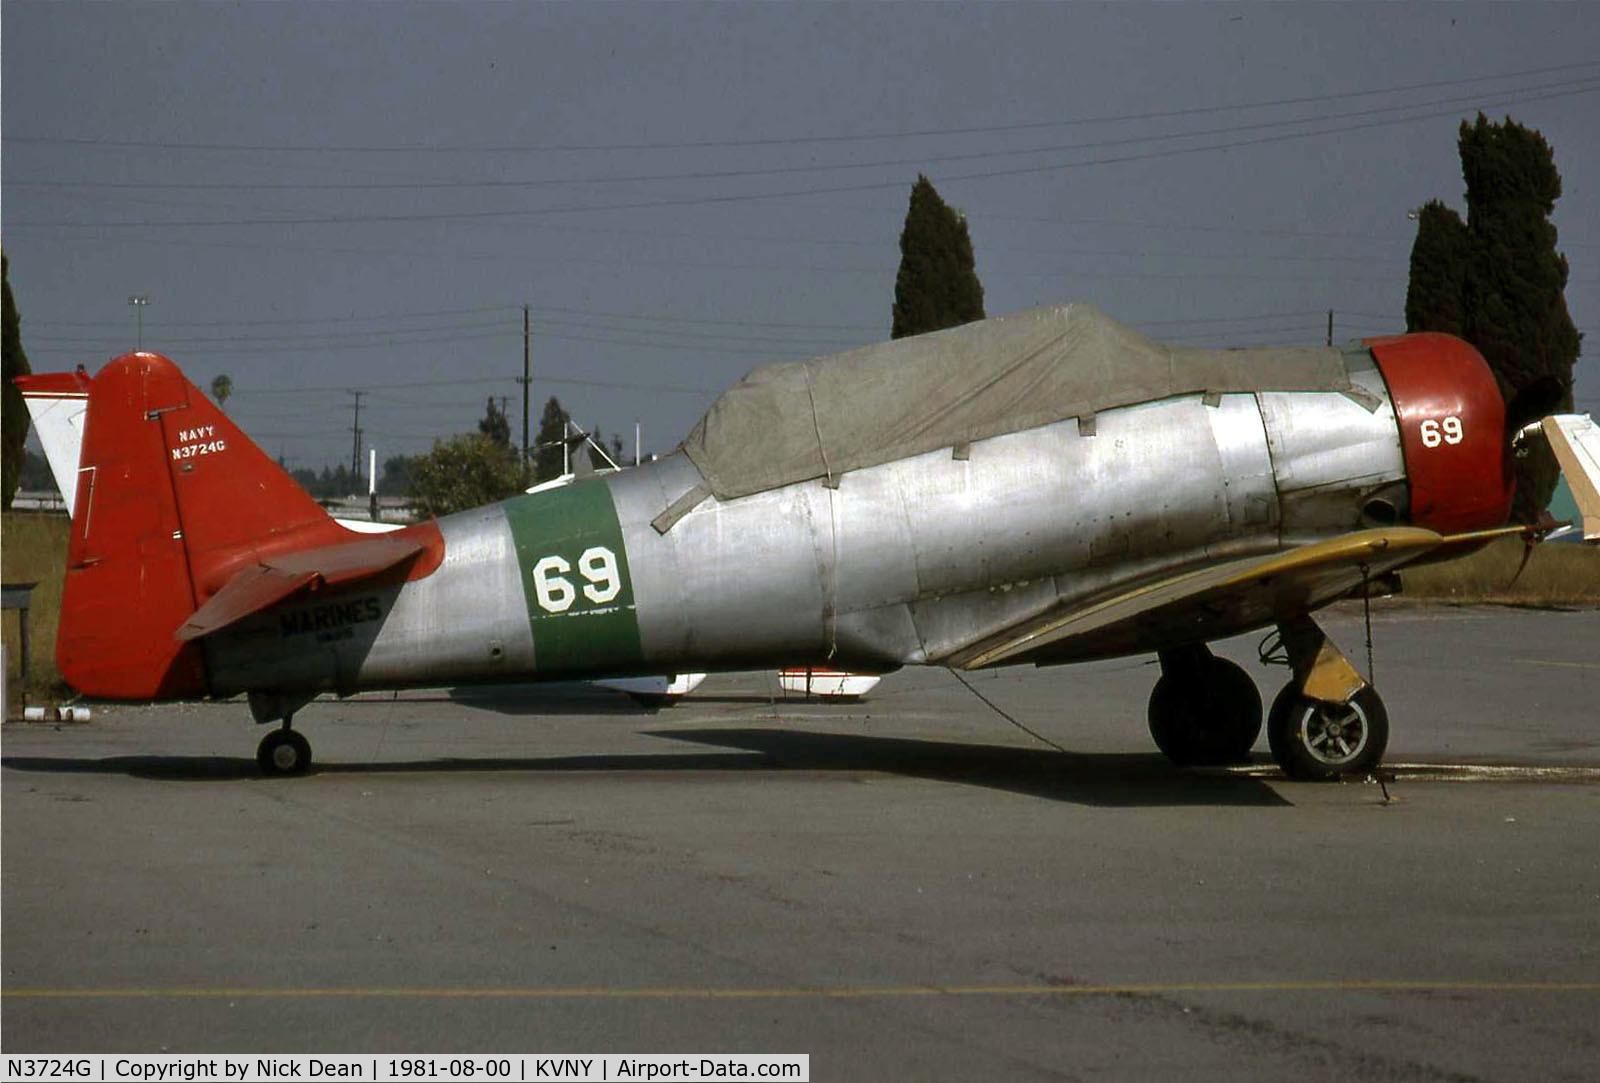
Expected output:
{"points": [[284, 752], [1316, 741], [1207, 713]]}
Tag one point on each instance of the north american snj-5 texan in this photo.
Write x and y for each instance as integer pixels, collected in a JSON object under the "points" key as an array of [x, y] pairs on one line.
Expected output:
{"points": [[1043, 487]]}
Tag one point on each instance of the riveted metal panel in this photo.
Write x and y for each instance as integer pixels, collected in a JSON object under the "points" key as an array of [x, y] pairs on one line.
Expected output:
{"points": [[864, 569], [729, 582], [1033, 503], [876, 556], [665, 612], [474, 604], [465, 621], [1319, 439], [1248, 487], [1331, 454], [954, 621], [877, 639]]}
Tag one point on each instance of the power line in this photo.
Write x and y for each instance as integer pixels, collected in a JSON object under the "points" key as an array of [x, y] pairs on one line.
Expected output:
{"points": [[1230, 319], [541, 312], [867, 269], [668, 338], [923, 161], [835, 345], [231, 347], [702, 238], [625, 385], [314, 338], [298, 321], [349, 219], [398, 334], [544, 315], [791, 140]]}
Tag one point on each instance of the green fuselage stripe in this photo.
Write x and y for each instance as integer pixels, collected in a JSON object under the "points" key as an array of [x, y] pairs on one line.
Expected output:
{"points": [[576, 579]]}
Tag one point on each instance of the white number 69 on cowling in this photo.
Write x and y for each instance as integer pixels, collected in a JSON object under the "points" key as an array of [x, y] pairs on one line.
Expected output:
{"points": [[1447, 431]]}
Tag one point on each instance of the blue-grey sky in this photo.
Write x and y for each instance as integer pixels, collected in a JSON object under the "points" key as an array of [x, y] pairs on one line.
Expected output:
{"points": [[326, 196]]}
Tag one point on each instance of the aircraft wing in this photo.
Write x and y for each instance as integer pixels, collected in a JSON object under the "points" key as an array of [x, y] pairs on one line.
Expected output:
{"points": [[1203, 604], [1575, 440], [274, 579]]}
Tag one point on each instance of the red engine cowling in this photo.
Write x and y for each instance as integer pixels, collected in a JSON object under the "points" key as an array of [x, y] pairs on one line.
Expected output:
{"points": [[1452, 430]]}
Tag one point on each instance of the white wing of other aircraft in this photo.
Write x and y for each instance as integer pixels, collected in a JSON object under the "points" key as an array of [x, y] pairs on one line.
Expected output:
{"points": [[1575, 439]]}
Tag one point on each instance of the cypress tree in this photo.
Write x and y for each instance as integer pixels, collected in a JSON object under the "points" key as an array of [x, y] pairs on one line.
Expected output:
{"points": [[1435, 296], [1512, 280], [15, 419], [937, 285], [1516, 284]]}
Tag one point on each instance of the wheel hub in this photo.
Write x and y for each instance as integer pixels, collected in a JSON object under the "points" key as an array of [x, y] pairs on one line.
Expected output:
{"points": [[1335, 735]]}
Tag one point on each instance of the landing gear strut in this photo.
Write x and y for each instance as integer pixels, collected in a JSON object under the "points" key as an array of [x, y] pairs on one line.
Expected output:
{"points": [[1327, 722], [284, 751], [1204, 709]]}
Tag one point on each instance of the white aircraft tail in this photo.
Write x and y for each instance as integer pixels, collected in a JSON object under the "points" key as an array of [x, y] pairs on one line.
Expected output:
{"points": [[57, 402]]}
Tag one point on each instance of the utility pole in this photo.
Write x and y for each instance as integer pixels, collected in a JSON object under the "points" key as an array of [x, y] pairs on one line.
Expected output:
{"points": [[524, 382], [1330, 327], [139, 301], [355, 429]]}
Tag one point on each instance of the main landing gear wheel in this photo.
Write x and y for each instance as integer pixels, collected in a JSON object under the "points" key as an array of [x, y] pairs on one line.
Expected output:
{"points": [[1204, 710], [284, 752], [1317, 741]]}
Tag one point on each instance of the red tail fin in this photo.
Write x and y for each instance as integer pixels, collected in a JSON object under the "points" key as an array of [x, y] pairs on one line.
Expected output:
{"points": [[172, 499]]}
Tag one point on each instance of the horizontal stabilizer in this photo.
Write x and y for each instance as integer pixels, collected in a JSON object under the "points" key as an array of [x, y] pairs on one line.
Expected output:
{"points": [[273, 579]]}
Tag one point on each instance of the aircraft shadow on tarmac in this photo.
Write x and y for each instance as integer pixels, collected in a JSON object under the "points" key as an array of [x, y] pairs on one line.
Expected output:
{"points": [[564, 698], [575, 698], [1100, 779]]}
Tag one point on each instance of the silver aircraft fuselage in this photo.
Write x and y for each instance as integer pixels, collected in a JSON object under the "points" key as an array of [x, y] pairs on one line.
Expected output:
{"points": [[905, 562]]}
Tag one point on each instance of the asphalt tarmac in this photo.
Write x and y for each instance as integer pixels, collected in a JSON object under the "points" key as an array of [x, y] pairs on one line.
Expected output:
{"points": [[911, 887]]}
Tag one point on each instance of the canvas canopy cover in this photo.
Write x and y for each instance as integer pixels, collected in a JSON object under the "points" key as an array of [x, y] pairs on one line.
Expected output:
{"points": [[812, 419]]}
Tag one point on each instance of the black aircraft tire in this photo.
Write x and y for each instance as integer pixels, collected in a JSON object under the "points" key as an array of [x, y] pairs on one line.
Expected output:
{"points": [[284, 752], [1206, 717], [1315, 741]]}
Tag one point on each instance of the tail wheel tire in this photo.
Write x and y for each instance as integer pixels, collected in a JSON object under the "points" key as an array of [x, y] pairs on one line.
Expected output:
{"points": [[1316, 741], [1205, 715], [284, 752]]}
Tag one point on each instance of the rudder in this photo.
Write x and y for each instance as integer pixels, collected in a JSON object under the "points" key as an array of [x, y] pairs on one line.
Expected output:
{"points": [[172, 500]]}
